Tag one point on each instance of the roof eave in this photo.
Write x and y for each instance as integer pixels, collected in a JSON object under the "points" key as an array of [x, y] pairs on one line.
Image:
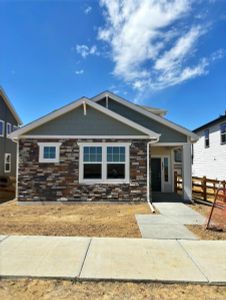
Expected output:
{"points": [[10, 106]]}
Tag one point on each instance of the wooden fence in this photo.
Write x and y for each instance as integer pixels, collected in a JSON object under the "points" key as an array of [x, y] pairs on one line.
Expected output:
{"points": [[202, 187]]}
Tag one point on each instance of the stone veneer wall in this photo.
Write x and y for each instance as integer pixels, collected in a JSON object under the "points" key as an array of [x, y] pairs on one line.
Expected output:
{"points": [[53, 181]]}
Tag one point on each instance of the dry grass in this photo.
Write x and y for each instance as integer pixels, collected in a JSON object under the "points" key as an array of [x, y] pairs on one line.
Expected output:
{"points": [[28, 289], [200, 230], [101, 220]]}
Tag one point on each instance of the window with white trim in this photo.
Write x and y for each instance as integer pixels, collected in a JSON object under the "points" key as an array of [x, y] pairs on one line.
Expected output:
{"points": [[2, 128], [223, 133], [8, 128], [92, 162], [7, 163], [104, 163], [49, 152], [116, 162], [166, 169]]}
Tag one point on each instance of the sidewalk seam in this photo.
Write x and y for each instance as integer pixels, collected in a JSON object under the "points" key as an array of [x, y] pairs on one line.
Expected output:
{"points": [[87, 250], [194, 262]]}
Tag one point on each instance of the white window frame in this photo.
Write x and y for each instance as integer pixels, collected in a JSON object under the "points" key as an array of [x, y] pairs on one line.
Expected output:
{"points": [[104, 163], [8, 124], [49, 160], [3, 128], [5, 162]]}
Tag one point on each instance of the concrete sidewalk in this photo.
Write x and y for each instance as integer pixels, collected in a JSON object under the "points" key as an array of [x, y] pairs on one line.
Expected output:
{"points": [[113, 259], [169, 224]]}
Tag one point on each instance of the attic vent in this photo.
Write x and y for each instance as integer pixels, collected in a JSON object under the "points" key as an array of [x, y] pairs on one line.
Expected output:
{"points": [[106, 101]]}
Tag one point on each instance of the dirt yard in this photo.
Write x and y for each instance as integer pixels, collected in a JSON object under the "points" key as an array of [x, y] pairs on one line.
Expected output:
{"points": [[200, 230], [100, 220], [28, 289]]}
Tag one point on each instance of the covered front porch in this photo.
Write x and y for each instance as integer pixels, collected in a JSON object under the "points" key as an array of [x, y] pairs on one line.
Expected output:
{"points": [[165, 160]]}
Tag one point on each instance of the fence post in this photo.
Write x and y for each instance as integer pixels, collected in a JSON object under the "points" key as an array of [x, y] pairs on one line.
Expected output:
{"points": [[224, 187], [204, 187], [175, 182]]}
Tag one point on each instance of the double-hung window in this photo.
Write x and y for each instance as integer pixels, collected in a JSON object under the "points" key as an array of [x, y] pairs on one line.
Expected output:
{"points": [[116, 163], [7, 163], [104, 163], [92, 162], [49, 152], [207, 138], [223, 133], [2, 128]]}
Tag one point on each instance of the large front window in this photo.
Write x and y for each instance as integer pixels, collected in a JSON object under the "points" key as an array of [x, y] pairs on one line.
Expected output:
{"points": [[104, 163]]}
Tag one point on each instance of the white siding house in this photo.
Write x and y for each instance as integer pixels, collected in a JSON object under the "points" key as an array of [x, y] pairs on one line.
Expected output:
{"points": [[209, 153]]}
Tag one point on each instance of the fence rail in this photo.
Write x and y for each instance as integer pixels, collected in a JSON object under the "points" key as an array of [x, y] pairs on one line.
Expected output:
{"points": [[202, 187]]}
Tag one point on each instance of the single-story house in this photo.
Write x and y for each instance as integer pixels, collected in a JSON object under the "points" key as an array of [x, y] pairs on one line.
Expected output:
{"points": [[209, 153], [103, 148]]}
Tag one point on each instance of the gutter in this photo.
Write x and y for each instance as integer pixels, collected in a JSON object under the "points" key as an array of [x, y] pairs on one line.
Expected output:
{"points": [[148, 174]]}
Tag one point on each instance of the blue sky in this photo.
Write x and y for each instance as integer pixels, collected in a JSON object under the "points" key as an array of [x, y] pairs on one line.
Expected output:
{"points": [[167, 54]]}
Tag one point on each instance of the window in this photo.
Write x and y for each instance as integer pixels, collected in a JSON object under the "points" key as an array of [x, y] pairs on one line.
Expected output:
{"points": [[8, 129], [178, 155], [2, 128], [7, 163], [49, 152], [92, 162], [223, 133], [104, 163], [15, 127], [207, 138], [115, 162], [166, 169]]}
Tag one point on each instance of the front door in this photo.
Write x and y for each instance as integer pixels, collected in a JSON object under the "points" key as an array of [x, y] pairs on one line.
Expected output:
{"points": [[156, 174]]}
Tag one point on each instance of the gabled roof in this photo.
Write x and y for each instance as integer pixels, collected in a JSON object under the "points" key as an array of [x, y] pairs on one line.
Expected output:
{"points": [[10, 106], [147, 113], [221, 118], [82, 101]]}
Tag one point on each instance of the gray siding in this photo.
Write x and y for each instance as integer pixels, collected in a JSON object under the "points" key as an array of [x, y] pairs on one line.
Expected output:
{"points": [[76, 123], [167, 134], [6, 145]]}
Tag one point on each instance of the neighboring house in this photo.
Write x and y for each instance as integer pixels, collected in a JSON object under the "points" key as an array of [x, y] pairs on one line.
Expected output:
{"points": [[9, 122], [103, 148], [209, 153]]}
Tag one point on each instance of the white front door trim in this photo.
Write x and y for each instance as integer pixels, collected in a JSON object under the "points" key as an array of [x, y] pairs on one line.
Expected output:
{"points": [[163, 182]]}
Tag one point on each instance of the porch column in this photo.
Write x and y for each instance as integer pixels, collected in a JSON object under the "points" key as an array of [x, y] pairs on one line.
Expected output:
{"points": [[187, 173]]}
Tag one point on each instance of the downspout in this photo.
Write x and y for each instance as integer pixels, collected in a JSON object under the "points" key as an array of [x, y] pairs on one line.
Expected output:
{"points": [[148, 173]]}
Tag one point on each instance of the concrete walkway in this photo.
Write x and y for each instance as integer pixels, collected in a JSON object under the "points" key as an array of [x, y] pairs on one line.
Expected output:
{"points": [[169, 224], [113, 259]]}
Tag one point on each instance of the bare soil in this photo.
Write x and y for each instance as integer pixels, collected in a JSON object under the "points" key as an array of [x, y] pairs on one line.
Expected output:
{"points": [[28, 289], [100, 220], [200, 230]]}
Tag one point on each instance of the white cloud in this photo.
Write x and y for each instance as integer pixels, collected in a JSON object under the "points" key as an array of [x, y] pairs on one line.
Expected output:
{"points": [[85, 51], [88, 10], [79, 72], [151, 46]]}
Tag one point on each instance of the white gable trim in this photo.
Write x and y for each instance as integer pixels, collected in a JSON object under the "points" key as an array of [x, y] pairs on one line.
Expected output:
{"points": [[149, 114], [76, 104]]}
